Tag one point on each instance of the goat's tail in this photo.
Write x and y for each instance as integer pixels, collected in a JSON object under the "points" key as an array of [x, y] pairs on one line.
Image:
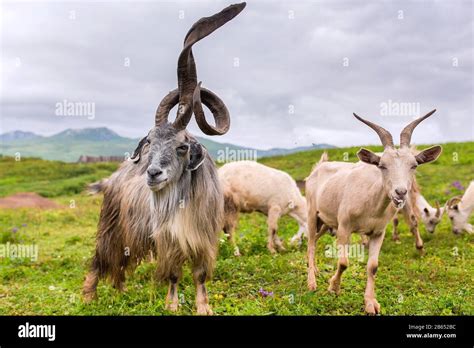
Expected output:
{"points": [[97, 187], [324, 158]]}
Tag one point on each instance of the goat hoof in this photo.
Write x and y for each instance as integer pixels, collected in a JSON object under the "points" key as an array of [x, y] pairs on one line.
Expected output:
{"points": [[372, 307], [90, 296], [204, 309], [237, 252], [272, 250], [311, 280], [172, 307], [334, 287]]}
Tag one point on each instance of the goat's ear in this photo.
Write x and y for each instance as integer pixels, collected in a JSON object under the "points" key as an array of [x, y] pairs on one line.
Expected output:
{"points": [[427, 212], [429, 155], [368, 157], [138, 151], [197, 154]]}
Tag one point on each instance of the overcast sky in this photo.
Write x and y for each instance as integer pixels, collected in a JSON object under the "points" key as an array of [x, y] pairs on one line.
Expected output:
{"points": [[290, 72]]}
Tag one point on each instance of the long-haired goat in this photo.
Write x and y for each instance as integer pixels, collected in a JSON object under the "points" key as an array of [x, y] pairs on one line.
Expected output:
{"points": [[363, 198], [167, 200], [250, 186], [459, 209]]}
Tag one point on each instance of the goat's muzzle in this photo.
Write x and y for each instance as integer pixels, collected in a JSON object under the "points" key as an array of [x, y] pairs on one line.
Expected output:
{"points": [[156, 178]]}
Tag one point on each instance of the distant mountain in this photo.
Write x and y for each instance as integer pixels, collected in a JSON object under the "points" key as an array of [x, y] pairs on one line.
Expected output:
{"points": [[88, 134], [18, 136], [70, 144]]}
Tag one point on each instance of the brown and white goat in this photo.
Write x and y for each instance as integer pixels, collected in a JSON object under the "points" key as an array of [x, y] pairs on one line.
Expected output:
{"points": [[167, 200], [250, 186], [361, 198]]}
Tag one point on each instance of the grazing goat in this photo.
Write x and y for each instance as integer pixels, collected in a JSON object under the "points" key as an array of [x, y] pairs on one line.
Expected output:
{"points": [[167, 199], [459, 208], [364, 198], [418, 208], [250, 186]]}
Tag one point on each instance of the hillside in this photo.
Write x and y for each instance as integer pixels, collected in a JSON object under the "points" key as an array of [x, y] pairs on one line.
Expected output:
{"points": [[55, 178], [69, 144]]}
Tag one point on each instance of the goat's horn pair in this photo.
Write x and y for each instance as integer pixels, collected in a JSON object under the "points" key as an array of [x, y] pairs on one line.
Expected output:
{"points": [[189, 93], [405, 135]]}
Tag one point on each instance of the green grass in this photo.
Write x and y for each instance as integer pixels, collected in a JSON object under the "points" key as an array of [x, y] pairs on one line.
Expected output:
{"points": [[437, 283]]}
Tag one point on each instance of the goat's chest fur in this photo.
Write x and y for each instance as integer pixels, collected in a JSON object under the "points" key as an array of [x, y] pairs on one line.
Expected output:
{"points": [[182, 219]]}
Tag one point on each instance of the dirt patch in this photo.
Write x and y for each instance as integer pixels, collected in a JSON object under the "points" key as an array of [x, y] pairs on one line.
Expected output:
{"points": [[27, 200]]}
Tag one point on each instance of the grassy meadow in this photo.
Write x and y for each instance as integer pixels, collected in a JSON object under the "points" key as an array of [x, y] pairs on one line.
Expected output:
{"points": [[440, 282]]}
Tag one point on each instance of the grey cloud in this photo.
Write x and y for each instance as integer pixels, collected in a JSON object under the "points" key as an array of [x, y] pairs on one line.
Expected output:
{"points": [[284, 62]]}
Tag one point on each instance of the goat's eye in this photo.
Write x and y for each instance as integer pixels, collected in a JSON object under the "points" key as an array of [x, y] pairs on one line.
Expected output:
{"points": [[182, 148], [414, 166], [382, 167], [148, 141]]}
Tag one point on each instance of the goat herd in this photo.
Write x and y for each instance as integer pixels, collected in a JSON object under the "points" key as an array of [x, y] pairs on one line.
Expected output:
{"points": [[171, 201]]}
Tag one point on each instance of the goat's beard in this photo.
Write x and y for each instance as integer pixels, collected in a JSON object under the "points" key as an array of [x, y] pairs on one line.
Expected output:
{"points": [[158, 187]]}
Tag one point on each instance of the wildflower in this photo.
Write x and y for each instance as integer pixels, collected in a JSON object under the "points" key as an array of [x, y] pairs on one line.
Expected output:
{"points": [[265, 293], [15, 229], [456, 184]]}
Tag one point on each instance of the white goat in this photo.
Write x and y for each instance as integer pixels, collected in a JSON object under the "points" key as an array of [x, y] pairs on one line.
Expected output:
{"points": [[431, 216], [459, 209], [250, 186], [363, 198]]}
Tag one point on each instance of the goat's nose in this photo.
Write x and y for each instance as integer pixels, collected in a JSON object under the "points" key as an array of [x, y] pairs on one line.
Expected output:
{"points": [[401, 192], [152, 172]]}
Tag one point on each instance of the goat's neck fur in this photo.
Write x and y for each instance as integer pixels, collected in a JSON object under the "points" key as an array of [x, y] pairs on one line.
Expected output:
{"points": [[381, 204]]}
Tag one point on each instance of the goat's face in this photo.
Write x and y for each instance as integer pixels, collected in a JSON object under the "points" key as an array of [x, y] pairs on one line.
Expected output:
{"points": [[431, 218], [397, 167], [458, 218], [171, 153]]}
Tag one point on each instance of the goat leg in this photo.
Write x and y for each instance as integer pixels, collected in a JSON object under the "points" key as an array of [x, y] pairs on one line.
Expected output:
{"points": [[343, 242], [202, 300], [372, 307]]}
